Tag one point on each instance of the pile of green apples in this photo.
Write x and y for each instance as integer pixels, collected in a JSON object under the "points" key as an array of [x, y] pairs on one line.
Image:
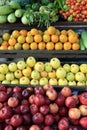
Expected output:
{"points": [[34, 72]]}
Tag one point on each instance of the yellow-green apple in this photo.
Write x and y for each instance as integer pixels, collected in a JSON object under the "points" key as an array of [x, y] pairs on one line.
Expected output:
{"points": [[53, 81], [48, 67], [81, 83], [72, 83], [83, 68], [60, 73], [62, 82], [55, 62], [74, 68], [70, 76], [21, 65], [18, 74], [27, 72], [67, 67], [31, 61], [15, 81], [39, 66], [34, 82], [2, 77], [79, 76], [4, 69], [35, 74], [24, 80], [43, 81], [10, 76], [5, 82], [12, 66]]}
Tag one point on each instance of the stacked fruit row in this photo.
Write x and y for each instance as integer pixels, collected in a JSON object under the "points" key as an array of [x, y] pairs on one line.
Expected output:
{"points": [[51, 39], [42, 108], [35, 72]]}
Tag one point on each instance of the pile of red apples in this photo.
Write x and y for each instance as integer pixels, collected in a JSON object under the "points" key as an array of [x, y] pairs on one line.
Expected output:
{"points": [[42, 108]]}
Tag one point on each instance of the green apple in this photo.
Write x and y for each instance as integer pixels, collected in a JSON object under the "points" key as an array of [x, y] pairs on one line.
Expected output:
{"points": [[2, 77], [79, 76], [21, 64], [6, 82], [53, 81], [81, 83], [62, 82], [35, 74], [60, 73], [15, 81], [83, 68], [34, 82], [39, 66], [74, 68], [27, 72], [18, 74], [43, 81], [72, 83], [12, 66], [31, 61], [67, 67], [24, 80], [4, 69], [55, 63], [70, 76], [48, 67], [10, 76]]}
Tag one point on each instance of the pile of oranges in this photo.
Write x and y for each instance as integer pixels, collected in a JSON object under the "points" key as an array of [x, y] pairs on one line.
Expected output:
{"points": [[35, 39]]}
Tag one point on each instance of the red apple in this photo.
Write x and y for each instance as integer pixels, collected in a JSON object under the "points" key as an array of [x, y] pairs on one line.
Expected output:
{"points": [[83, 98], [44, 109], [18, 95], [26, 93], [66, 91], [83, 122], [7, 121], [13, 102], [34, 127], [27, 119], [3, 87], [5, 112], [9, 91], [76, 128], [16, 120], [52, 94], [24, 109], [25, 102], [47, 128], [47, 86], [33, 109], [56, 117], [3, 96], [83, 110], [47, 100], [38, 118], [39, 100], [74, 121], [70, 102], [49, 119], [8, 127], [39, 90], [60, 101], [1, 105], [53, 108], [62, 111], [16, 110], [74, 113], [63, 124], [31, 99], [76, 98], [21, 128], [17, 89]]}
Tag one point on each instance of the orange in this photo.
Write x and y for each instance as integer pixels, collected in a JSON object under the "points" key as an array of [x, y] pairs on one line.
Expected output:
{"points": [[6, 36], [51, 30], [37, 38], [64, 32], [12, 41], [33, 46], [3, 47], [72, 38], [15, 33], [21, 39], [50, 46], [10, 48], [67, 46], [17, 46], [57, 32], [45, 32], [23, 32], [46, 37], [70, 32], [40, 32], [41, 45], [63, 38], [28, 33], [54, 38], [25, 46], [34, 31], [29, 39], [75, 46], [58, 46], [5, 43]]}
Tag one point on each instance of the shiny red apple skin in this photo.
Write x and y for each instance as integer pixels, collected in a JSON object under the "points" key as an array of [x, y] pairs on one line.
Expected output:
{"points": [[38, 118], [5, 112], [83, 122], [26, 93], [83, 109], [24, 109], [47, 86], [63, 111], [44, 109], [34, 127], [47, 128], [3, 96], [39, 100], [60, 101], [49, 119], [17, 89], [31, 99], [33, 109], [13, 102], [74, 113], [16, 120], [7, 121], [52, 94], [53, 108], [66, 91], [39, 90], [18, 95], [8, 127], [3, 87], [83, 98], [21, 128], [63, 124], [47, 100], [76, 98], [70, 102]]}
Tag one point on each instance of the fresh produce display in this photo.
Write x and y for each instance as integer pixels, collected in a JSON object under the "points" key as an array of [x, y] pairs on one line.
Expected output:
{"points": [[42, 108], [83, 41], [76, 10], [35, 39], [35, 72]]}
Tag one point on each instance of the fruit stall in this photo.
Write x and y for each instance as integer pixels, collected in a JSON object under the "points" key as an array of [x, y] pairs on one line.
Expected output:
{"points": [[43, 65]]}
